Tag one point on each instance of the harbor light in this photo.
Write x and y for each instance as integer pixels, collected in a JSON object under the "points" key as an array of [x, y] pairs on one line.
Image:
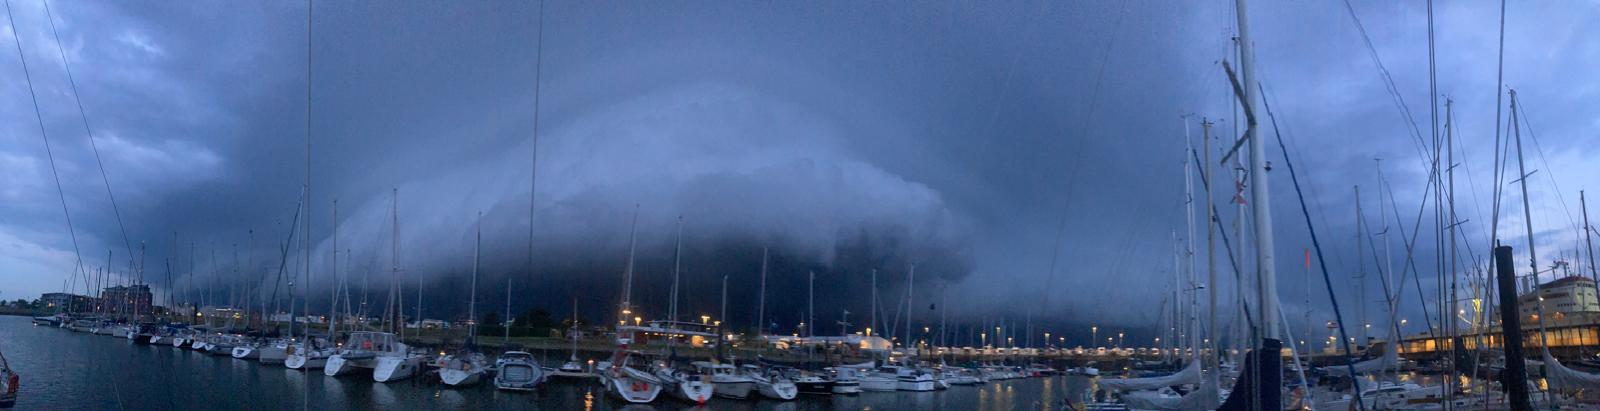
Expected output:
{"points": [[636, 321], [705, 319]]}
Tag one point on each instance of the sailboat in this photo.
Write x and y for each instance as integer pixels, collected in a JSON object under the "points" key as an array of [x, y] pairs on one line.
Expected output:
{"points": [[772, 384], [517, 370], [360, 353], [467, 366], [620, 375], [572, 369], [398, 362], [10, 382]]}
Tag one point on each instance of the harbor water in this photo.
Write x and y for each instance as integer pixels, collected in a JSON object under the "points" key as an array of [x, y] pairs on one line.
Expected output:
{"points": [[62, 369]]}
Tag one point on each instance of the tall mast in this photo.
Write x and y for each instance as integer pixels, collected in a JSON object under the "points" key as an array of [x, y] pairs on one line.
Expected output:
{"points": [[874, 302], [396, 295], [677, 266], [333, 304], [507, 328], [472, 304], [1261, 209], [811, 292], [627, 274], [1588, 242], [1211, 254], [1361, 275], [761, 311], [911, 288]]}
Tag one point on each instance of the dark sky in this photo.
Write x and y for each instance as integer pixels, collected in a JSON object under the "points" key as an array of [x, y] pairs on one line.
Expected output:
{"points": [[844, 136]]}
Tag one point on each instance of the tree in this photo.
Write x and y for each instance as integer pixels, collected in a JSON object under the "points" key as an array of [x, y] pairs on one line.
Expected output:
{"points": [[536, 318]]}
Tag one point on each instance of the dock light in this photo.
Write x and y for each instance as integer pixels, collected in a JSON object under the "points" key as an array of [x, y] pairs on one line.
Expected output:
{"points": [[705, 319], [869, 331], [636, 321], [717, 323]]}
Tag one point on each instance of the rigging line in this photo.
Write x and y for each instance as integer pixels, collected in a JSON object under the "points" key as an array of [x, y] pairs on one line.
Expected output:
{"points": [[85, 117], [1522, 120], [1499, 84], [1344, 338], [1083, 135], [43, 134], [1314, 194], [1388, 82]]}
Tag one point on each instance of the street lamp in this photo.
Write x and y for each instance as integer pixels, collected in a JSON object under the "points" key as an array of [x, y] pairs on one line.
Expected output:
{"points": [[1119, 340], [1094, 333], [636, 321], [705, 319], [1047, 339]]}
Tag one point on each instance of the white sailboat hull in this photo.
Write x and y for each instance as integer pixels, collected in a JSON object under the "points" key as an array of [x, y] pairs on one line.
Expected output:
{"points": [[632, 388], [518, 377], [460, 378], [396, 368], [307, 361], [784, 391], [245, 352], [737, 390], [271, 355]]}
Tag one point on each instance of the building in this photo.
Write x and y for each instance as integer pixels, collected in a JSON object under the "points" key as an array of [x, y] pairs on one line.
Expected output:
{"points": [[1560, 298], [72, 303], [133, 299]]}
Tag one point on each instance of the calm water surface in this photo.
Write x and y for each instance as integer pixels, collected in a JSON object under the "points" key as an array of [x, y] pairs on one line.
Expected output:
{"points": [[66, 370]]}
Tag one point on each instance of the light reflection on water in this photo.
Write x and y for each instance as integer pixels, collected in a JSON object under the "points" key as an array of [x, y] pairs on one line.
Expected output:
{"points": [[63, 369]]}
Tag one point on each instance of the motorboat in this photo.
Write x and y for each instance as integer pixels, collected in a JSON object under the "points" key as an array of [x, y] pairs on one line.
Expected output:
{"points": [[846, 380], [517, 371], [811, 383], [879, 380], [726, 381], [910, 378], [771, 384]]}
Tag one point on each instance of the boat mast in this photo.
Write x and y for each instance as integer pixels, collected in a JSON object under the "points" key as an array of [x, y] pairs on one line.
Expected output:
{"points": [[761, 311], [472, 303], [627, 274], [677, 266], [333, 304], [1261, 209], [1361, 275], [911, 287], [396, 295], [811, 290], [874, 304], [1211, 254], [1588, 241]]}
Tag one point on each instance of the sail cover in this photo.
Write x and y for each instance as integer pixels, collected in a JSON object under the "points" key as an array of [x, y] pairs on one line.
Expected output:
{"points": [[1387, 361], [1205, 398], [1189, 375], [1566, 377]]}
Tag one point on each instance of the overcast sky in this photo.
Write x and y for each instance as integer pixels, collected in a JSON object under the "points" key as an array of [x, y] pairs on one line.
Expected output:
{"points": [[845, 137]]}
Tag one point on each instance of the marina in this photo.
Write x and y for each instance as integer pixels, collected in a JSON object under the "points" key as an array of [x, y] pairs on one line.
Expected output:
{"points": [[814, 205]]}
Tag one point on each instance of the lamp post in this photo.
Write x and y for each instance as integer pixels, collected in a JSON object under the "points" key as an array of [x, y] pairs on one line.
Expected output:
{"points": [[1047, 339], [1119, 340], [1094, 333], [705, 319]]}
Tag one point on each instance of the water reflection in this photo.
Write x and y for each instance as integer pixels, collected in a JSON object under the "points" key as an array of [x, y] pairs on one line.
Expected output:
{"points": [[63, 369]]}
